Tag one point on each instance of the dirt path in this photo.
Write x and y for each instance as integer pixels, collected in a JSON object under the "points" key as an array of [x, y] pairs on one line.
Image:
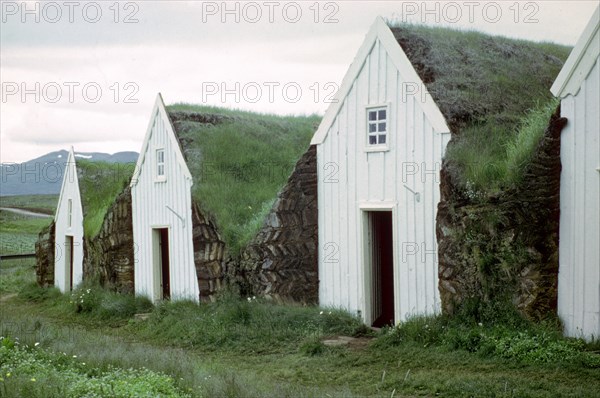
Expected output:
{"points": [[25, 212]]}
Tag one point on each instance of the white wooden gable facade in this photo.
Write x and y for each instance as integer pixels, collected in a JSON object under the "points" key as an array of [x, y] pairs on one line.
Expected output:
{"points": [[379, 154], [162, 224], [68, 248], [578, 87]]}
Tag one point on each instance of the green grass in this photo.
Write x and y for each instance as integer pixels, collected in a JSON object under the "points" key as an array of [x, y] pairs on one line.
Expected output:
{"points": [[239, 163], [495, 161], [100, 183], [256, 348], [495, 94], [29, 371], [16, 273], [18, 233], [37, 203]]}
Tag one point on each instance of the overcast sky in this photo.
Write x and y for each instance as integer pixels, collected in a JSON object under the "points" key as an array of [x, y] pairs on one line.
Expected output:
{"points": [[87, 73]]}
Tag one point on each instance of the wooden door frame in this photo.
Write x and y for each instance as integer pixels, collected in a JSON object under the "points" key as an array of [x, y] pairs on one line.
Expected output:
{"points": [[157, 291], [365, 270]]}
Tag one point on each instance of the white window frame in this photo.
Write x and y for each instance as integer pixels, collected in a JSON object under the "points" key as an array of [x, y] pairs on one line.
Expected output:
{"points": [[69, 212], [378, 146], [157, 165]]}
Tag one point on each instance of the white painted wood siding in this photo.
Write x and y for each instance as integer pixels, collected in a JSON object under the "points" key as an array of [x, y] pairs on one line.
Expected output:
{"points": [[579, 251], [152, 203], [352, 181], [69, 191]]}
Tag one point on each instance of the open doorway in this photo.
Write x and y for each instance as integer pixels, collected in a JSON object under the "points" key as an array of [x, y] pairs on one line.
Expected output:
{"points": [[162, 281], [380, 263], [69, 262]]}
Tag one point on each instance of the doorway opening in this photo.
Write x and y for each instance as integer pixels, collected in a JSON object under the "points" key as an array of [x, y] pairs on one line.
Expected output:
{"points": [[69, 262], [162, 281], [381, 267]]}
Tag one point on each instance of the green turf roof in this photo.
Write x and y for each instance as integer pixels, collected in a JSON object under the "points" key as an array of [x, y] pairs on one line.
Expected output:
{"points": [[99, 184], [488, 88], [239, 161]]}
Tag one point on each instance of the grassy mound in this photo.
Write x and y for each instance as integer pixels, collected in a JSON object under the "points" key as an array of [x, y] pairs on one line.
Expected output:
{"points": [[239, 161], [100, 183], [494, 93]]}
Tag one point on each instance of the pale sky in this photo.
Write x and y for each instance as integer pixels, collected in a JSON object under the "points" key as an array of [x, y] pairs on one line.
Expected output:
{"points": [[87, 73]]}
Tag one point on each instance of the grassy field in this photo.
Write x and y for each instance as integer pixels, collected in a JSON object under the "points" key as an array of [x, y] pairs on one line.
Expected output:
{"points": [[37, 203], [255, 348], [18, 233], [239, 160]]}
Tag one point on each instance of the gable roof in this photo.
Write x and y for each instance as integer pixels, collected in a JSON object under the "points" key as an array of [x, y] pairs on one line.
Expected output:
{"points": [[379, 32], [160, 110], [581, 60], [472, 77], [67, 174]]}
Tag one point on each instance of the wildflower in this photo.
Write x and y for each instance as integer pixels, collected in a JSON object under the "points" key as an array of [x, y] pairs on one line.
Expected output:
{"points": [[480, 324], [33, 379], [253, 297], [83, 363], [74, 356], [36, 344], [8, 374], [321, 313], [249, 299]]}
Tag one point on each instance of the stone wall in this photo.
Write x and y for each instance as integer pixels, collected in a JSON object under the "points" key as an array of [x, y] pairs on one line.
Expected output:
{"points": [[209, 254], [44, 256], [504, 248], [282, 260], [109, 255]]}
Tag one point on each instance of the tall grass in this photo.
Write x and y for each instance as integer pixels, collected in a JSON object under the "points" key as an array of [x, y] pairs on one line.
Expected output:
{"points": [[239, 163], [100, 183], [490, 158]]}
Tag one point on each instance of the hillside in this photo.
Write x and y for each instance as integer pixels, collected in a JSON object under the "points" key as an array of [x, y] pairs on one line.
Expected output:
{"points": [[495, 95], [99, 184], [239, 161], [43, 175]]}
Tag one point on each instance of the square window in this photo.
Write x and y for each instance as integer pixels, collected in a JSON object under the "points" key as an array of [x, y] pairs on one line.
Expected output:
{"points": [[377, 125]]}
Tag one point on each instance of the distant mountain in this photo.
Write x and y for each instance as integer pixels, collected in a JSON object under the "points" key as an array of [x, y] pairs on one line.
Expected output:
{"points": [[43, 175]]}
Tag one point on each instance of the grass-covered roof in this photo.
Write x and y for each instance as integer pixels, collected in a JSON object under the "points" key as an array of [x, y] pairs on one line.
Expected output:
{"points": [[239, 161], [492, 91], [99, 184]]}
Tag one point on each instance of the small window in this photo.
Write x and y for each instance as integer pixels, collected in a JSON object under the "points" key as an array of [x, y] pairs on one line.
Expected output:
{"points": [[377, 125], [69, 212], [160, 164]]}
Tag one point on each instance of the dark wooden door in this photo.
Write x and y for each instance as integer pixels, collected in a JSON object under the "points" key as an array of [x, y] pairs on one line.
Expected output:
{"points": [[69, 259], [382, 267], [164, 263]]}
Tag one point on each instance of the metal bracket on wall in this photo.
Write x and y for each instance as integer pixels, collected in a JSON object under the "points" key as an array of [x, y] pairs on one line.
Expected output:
{"points": [[417, 194], [176, 214]]}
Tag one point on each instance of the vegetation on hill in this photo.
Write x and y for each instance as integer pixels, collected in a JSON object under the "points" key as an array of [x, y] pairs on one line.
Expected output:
{"points": [[99, 184], [37, 203], [18, 233], [495, 95], [239, 161]]}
